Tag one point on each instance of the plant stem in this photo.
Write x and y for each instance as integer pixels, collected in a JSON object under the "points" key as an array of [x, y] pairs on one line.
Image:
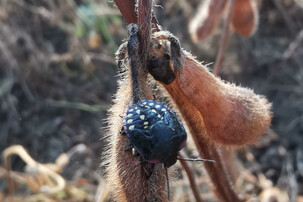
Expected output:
{"points": [[225, 37], [191, 179], [127, 9], [144, 24]]}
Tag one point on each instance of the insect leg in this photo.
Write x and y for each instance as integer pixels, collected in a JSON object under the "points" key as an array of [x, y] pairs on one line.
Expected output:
{"points": [[122, 131]]}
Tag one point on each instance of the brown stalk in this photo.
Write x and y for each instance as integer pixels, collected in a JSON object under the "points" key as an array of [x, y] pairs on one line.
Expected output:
{"points": [[128, 174], [191, 179], [144, 24], [224, 40], [127, 9]]}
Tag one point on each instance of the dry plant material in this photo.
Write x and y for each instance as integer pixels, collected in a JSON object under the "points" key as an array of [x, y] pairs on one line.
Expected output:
{"points": [[245, 17], [127, 173], [191, 179], [231, 115], [273, 194], [131, 178], [215, 111], [46, 178], [207, 19], [225, 37]]}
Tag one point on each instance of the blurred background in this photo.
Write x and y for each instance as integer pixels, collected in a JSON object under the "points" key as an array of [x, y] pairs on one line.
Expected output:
{"points": [[58, 76]]}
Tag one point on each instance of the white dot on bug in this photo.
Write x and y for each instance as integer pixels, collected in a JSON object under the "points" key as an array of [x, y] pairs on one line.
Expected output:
{"points": [[134, 151], [138, 111], [131, 110], [144, 103], [145, 127], [145, 123], [151, 104], [129, 115], [163, 109], [131, 127], [161, 118], [146, 106], [153, 110], [142, 117], [158, 106], [159, 115], [129, 121]]}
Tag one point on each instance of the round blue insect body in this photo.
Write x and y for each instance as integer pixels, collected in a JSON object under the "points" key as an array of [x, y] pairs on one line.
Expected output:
{"points": [[155, 131]]}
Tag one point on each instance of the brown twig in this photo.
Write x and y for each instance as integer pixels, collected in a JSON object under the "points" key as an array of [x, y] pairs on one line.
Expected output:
{"points": [[127, 9], [144, 24], [191, 179], [224, 40]]}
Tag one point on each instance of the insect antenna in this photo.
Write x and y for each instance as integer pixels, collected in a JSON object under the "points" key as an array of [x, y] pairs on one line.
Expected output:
{"points": [[167, 181], [189, 159]]}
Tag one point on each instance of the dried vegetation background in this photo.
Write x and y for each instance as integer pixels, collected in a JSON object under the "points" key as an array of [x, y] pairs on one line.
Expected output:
{"points": [[58, 75]]}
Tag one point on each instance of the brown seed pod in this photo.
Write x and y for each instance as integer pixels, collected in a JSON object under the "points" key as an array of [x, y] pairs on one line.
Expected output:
{"points": [[245, 16], [232, 115], [206, 19]]}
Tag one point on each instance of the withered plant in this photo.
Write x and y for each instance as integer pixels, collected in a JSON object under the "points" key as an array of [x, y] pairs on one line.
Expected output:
{"points": [[244, 17], [216, 112]]}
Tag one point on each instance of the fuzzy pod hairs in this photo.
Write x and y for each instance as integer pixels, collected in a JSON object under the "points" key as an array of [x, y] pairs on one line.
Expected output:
{"points": [[232, 115], [216, 112]]}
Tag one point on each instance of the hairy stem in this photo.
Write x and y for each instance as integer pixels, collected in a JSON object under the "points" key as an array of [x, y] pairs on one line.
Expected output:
{"points": [[132, 49]]}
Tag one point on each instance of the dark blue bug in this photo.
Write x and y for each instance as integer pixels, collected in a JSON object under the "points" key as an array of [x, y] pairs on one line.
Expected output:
{"points": [[154, 131]]}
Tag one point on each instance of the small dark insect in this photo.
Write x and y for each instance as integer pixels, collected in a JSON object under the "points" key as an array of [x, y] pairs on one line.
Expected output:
{"points": [[152, 128], [154, 131]]}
